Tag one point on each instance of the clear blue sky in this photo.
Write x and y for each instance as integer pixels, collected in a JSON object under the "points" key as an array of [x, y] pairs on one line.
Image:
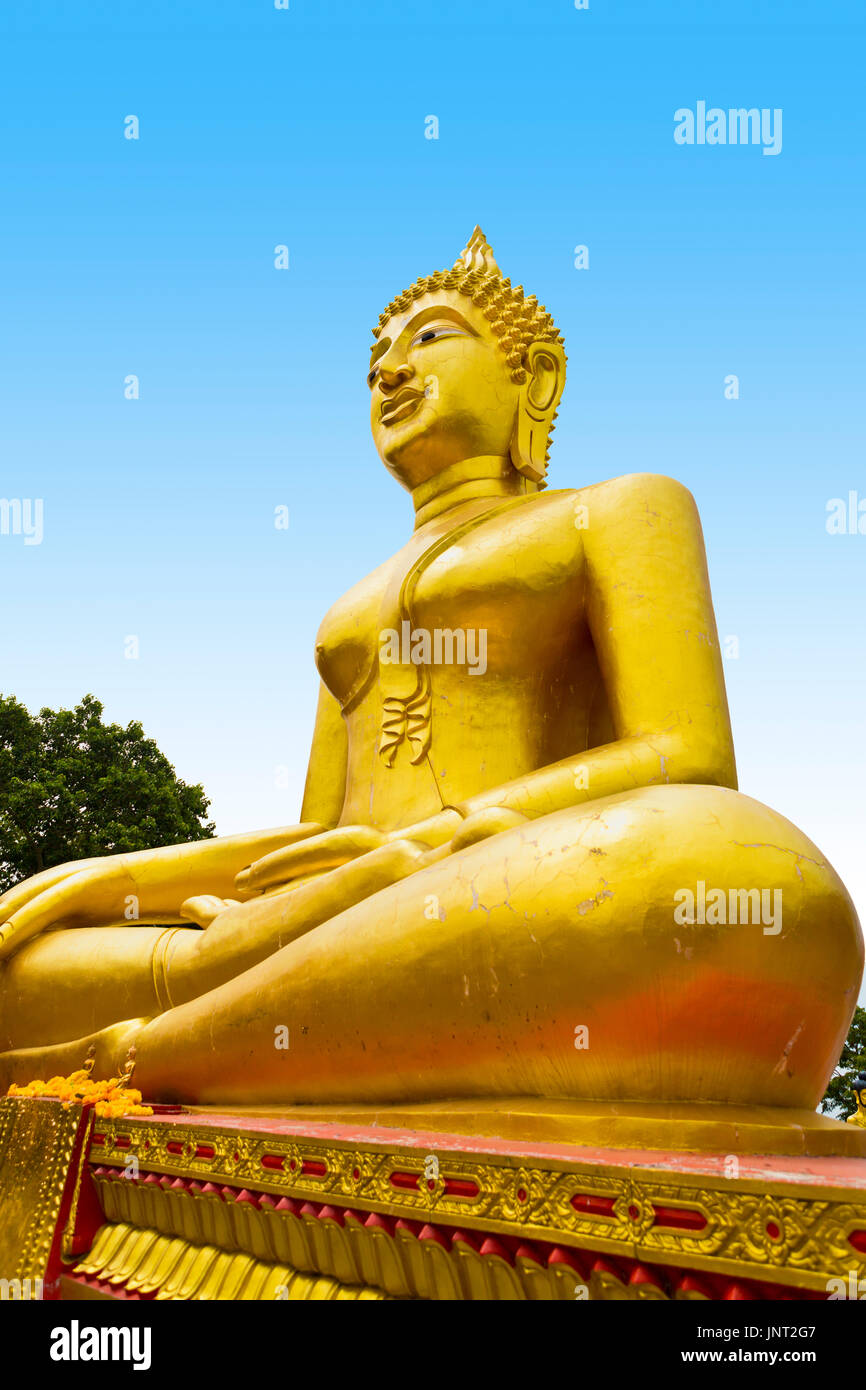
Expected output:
{"points": [[306, 127]]}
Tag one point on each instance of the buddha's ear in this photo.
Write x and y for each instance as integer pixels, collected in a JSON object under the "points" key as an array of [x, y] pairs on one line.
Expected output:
{"points": [[539, 397]]}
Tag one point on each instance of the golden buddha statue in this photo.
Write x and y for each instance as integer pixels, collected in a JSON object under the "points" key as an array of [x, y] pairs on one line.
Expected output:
{"points": [[858, 1087], [523, 868]]}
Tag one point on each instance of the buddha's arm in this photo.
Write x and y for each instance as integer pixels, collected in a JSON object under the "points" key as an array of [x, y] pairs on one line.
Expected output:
{"points": [[145, 886], [651, 618], [155, 885], [325, 789]]}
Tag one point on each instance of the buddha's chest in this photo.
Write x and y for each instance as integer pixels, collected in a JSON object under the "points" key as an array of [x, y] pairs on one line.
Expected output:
{"points": [[503, 598]]}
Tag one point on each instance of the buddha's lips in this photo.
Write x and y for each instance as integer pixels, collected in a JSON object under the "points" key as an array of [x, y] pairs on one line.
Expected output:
{"points": [[400, 406]]}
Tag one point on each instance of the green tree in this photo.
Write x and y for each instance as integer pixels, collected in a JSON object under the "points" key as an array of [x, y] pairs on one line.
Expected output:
{"points": [[838, 1099], [72, 787]]}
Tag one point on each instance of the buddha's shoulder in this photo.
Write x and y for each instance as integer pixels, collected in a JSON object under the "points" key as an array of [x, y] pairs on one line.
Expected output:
{"points": [[653, 494]]}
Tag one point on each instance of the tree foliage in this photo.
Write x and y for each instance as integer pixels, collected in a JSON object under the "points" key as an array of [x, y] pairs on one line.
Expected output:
{"points": [[72, 787], [838, 1098]]}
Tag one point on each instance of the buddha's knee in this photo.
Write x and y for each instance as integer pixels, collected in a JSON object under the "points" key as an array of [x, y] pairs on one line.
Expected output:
{"points": [[702, 941]]}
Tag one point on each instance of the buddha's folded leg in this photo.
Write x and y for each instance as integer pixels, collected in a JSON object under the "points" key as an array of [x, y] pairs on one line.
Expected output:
{"points": [[554, 959], [62, 987]]}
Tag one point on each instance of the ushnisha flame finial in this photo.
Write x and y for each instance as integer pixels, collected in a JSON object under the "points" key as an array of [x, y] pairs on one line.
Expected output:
{"points": [[477, 255]]}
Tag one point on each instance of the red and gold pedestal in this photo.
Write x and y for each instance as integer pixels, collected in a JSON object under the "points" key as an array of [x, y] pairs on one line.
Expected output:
{"points": [[433, 1203]]}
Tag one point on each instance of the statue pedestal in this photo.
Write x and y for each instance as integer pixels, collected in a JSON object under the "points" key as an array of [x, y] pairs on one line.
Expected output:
{"points": [[307, 1204]]}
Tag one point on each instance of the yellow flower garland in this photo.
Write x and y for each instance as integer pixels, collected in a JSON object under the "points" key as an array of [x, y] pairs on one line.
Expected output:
{"points": [[110, 1098]]}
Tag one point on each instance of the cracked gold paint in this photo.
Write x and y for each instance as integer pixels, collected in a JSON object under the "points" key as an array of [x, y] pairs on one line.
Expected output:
{"points": [[485, 863]]}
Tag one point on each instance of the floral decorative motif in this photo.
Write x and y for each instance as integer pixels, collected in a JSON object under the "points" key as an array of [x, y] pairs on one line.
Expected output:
{"points": [[705, 1223]]}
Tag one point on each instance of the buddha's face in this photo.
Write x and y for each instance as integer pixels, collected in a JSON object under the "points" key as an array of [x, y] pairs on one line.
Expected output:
{"points": [[441, 389]]}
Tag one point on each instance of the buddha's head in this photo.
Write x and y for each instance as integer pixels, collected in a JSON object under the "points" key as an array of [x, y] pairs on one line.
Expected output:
{"points": [[463, 366]]}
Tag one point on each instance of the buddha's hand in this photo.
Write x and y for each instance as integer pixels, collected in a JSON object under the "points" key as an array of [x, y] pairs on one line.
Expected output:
{"points": [[86, 893], [317, 854], [29, 888], [333, 848], [154, 885], [445, 833], [480, 825]]}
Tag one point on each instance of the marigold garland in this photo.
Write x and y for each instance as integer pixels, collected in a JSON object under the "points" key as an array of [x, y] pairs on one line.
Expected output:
{"points": [[110, 1098]]}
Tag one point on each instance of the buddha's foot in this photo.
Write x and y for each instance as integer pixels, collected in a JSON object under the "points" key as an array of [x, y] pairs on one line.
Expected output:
{"points": [[111, 1046]]}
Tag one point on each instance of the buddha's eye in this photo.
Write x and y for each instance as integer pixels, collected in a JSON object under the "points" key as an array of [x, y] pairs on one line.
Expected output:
{"points": [[431, 331]]}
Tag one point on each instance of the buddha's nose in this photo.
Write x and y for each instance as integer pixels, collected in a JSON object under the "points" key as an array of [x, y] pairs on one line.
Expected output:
{"points": [[393, 374]]}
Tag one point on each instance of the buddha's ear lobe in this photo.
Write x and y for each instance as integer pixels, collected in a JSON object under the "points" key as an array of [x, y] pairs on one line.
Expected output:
{"points": [[540, 395]]}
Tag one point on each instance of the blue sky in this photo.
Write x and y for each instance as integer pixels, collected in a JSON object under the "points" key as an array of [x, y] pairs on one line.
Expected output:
{"points": [[306, 127]]}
